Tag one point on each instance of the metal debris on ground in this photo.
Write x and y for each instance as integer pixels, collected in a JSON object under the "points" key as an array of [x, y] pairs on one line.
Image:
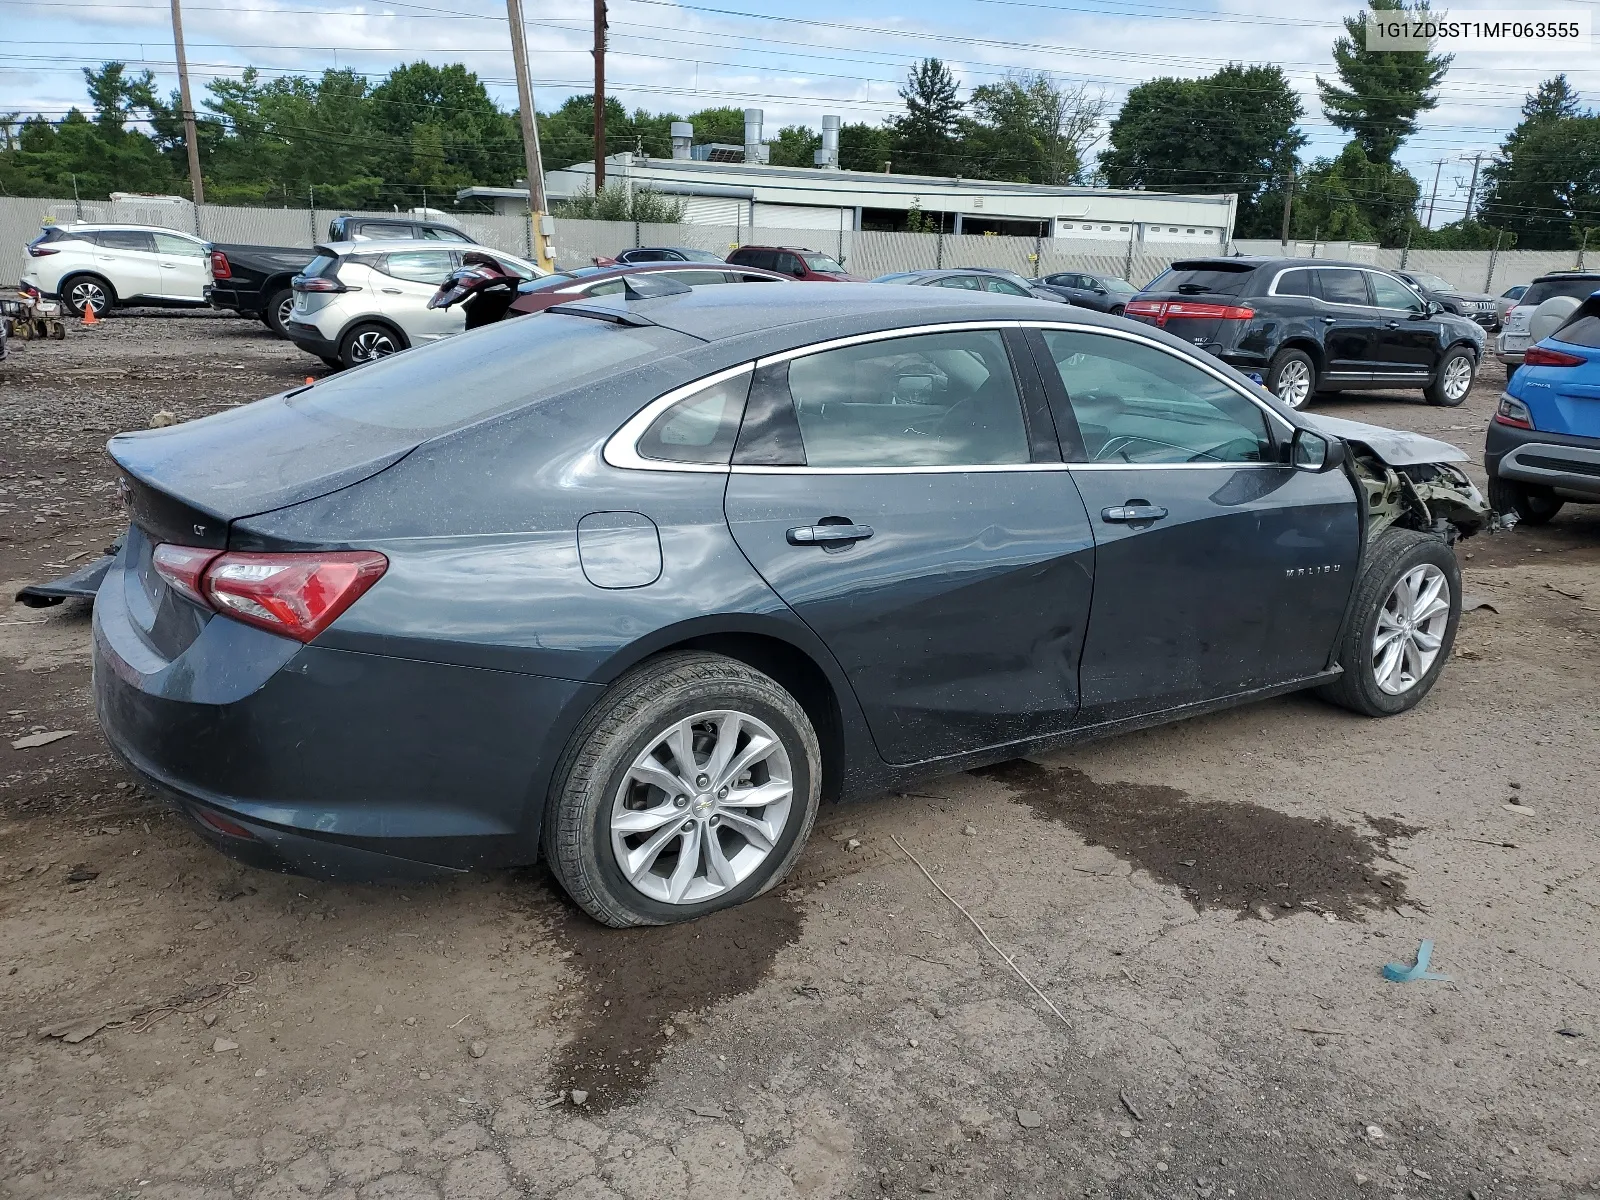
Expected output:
{"points": [[1395, 973], [35, 740]]}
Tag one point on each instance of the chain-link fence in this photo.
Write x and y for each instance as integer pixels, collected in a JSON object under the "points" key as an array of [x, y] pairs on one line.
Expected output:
{"points": [[867, 254]]}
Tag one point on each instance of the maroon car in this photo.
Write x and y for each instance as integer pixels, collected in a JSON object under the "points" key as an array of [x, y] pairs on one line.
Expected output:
{"points": [[536, 295], [794, 262]]}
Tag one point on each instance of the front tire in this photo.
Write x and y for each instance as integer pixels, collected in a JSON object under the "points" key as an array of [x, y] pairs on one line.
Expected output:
{"points": [[1536, 506], [1453, 380], [1292, 377], [79, 291], [690, 787], [276, 310], [369, 342], [1402, 625]]}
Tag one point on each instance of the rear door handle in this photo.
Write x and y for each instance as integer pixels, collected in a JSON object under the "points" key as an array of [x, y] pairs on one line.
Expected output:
{"points": [[828, 535], [1125, 513], [1329, 320], [1392, 325], [393, 292]]}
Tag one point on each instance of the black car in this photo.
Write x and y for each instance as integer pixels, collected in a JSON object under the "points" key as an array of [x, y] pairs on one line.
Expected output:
{"points": [[254, 281], [1310, 325], [652, 254], [972, 279], [1475, 306], [634, 585], [1103, 293]]}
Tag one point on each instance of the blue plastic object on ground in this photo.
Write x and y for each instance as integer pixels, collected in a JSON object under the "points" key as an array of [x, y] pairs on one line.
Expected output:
{"points": [[1395, 973]]}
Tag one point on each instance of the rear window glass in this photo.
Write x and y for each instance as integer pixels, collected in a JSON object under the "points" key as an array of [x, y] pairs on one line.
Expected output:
{"points": [[451, 383], [323, 266], [701, 428], [1297, 283], [1211, 279], [1584, 327], [1578, 289]]}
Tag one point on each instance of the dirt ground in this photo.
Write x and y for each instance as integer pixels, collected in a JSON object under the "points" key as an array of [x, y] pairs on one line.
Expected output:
{"points": [[1204, 910]]}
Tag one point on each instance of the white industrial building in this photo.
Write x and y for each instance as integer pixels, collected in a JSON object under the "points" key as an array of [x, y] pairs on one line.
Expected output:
{"points": [[749, 192]]}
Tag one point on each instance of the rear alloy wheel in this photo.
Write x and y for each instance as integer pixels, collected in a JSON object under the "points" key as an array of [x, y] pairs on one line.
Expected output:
{"points": [[1534, 505], [276, 311], [83, 291], [1454, 379], [1292, 377], [1402, 625], [368, 343], [691, 787]]}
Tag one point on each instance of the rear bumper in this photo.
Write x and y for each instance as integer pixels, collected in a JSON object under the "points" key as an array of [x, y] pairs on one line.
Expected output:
{"points": [[1561, 461], [235, 298], [331, 763], [310, 339]]}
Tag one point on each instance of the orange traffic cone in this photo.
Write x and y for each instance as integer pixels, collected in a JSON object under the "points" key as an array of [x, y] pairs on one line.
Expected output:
{"points": [[88, 315], [310, 379]]}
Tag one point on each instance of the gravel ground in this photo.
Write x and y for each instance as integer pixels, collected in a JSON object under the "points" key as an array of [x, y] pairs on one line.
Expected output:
{"points": [[1204, 910]]}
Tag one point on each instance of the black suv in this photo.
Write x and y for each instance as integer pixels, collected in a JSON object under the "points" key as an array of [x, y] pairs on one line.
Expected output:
{"points": [[1308, 325]]}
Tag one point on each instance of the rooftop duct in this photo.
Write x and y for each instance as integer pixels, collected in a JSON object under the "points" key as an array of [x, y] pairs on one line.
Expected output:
{"points": [[828, 157], [755, 151], [682, 139]]}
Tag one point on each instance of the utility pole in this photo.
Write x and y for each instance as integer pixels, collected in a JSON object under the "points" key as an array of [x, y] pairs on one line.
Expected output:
{"points": [[1472, 189], [539, 219], [197, 187], [599, 95], [1437, 167], [1288, 204]]}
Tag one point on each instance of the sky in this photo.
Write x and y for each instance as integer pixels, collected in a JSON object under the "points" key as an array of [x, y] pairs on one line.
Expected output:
{"points": [[795, 59]]}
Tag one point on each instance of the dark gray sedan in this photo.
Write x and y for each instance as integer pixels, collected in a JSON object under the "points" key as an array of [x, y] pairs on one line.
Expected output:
{"points": [[634, 586], [971, 279], [1103, 293]]}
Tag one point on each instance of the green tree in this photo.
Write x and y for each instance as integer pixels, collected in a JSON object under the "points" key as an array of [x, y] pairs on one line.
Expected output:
{"points": [[618, 202], [1352, 198], [795, 146], [924, 140], [725, 125], [1545, 185], [864, 147], [1028, 128], [469, 138], [115, 94], [1380, 92], [1234, 131]]}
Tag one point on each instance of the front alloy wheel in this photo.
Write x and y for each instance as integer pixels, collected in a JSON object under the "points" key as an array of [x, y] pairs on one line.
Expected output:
{"points": [[701, 807], [1410, 629]]}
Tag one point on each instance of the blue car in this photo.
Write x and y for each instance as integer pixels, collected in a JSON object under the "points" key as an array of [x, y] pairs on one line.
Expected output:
{"points": [[1543, 447]]}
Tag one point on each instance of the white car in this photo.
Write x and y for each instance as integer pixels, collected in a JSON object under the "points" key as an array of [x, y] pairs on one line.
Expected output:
{"points": [[1516, 337], [106, 266], [357, 301]]}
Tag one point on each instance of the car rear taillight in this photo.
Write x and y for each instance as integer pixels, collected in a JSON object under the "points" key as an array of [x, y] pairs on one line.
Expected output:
{"points": [[181, 567], [1144, 308], [1513, 412], [295, 594], [316, 283], [221, 823], [1215, 312], [1543, 356], [40, 251], [221, 268]]}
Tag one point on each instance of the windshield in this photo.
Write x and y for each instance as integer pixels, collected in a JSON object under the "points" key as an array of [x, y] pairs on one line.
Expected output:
{"points": [[1435, 284], [454, 382], [821, 262]]}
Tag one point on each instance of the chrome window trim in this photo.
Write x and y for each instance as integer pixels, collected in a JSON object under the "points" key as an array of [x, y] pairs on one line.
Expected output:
{"points": [[1273, 290], [622, 447]]}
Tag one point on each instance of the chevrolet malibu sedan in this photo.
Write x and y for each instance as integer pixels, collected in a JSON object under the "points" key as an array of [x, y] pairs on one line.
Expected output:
{"points": [[633, 587]]}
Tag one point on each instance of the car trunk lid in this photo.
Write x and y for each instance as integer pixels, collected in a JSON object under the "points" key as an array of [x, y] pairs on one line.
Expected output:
{"points": [[1199, 300]]}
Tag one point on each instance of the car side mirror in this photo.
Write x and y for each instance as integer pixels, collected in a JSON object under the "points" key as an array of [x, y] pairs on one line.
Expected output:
{"points": [[1310, 451], [1099, 291], [798, 272]]}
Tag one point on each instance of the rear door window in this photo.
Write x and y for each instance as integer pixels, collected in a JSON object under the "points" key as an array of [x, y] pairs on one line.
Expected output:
{"points": [[125, 239], [937, 399], [696, 278], [1341, 286], [420, 266], [378, 231], [1137, 404], [965, 283], [1003, 286]]}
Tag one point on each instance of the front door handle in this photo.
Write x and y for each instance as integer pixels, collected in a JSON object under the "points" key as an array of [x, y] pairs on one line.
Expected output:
{"points": [[1392, 325], [1126, 513], [393, 292], [1329, 320], [828, 535]]}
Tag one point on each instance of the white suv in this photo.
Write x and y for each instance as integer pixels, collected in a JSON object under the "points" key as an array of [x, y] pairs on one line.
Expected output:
{"points": [[357, 301], [110, 265]]}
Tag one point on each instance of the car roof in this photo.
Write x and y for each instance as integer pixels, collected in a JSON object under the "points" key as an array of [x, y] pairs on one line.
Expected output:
{"points": [[1566, 275], [807, 249], [388, 245], [92, 226], [1261, 260]]}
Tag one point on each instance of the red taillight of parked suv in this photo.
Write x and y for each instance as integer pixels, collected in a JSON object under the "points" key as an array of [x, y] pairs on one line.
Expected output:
{"points": [[1162, 311], [1543, 356], [220, 267]]}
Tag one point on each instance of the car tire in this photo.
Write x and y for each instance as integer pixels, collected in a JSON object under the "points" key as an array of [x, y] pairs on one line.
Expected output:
{"points": [[1400, 571], [1534, 505], [632, 729], [1293, 372], [1453, 380], [1116, 310], [1511, 373], [276, 310], [77, 290], [369, 342]]}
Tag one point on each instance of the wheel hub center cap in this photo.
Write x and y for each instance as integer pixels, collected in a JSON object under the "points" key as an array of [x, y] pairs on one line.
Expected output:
{"points": [[702, 804]]}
